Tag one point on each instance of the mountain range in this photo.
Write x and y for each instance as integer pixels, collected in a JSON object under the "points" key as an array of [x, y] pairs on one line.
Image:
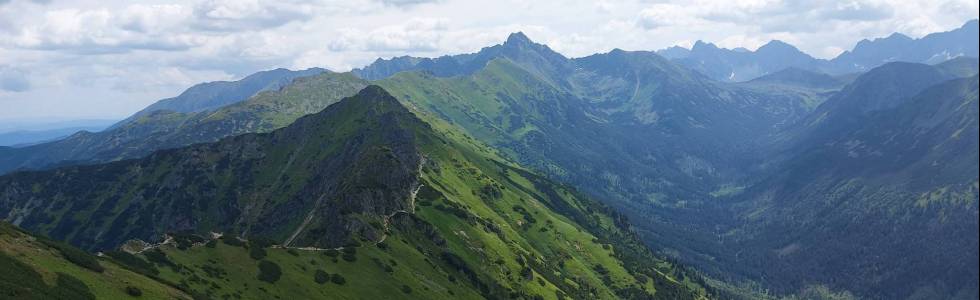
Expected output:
{"points": [[473, 175], [741, 64], [19, 134], [212, 95], [146, 131], [365, 177]]}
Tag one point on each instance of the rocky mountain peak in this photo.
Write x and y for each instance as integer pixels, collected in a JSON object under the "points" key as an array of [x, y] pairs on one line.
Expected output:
{"points": [[518, 39]]}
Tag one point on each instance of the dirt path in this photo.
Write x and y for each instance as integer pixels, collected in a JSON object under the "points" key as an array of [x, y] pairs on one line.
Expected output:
{"points": [[306, 221]]}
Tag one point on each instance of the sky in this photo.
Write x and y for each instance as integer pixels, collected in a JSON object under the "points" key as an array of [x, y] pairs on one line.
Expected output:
{"points": [[82, 59]]}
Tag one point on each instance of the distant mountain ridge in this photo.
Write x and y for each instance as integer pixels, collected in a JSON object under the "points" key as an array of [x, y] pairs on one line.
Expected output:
{"points": [[216, 94], [162, 129], [517, 47], [48, 132], [732, 65], [741, 65], [930, 49], [722, 64], [801, 77]]}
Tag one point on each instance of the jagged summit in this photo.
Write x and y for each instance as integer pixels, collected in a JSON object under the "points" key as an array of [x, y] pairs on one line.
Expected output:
{"points": [[518, 48], [702, 45], [674, 52], [518, 38], [617, 51], [900, 36]]}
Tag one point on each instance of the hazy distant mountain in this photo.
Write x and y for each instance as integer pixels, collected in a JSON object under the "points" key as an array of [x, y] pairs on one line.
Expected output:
{"points": [[931, 49], [47, 124], [800, 77], [960, 66], [674, 52], [22, 138], [717, 63], [24, 134], [216, 94], [740, 64], [877, 195]]}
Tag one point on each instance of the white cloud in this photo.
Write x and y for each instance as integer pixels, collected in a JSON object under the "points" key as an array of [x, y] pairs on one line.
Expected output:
{"points": [[416, 35], [856, 10], [603, 6], [101, 31], [153, 18], [663, 15], [406, 2], [236, 15], [97, 58]]}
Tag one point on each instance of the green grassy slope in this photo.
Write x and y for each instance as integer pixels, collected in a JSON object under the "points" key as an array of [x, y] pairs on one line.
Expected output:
{"points": [[415, 206], [356, 160], [652, 176], [37, 268], [492, 227]]}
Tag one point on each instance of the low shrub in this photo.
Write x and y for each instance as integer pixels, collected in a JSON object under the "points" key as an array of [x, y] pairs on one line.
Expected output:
{"points": [[158, 257], [72, 287], [321, 277], [134, 291], [269, 271]]}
